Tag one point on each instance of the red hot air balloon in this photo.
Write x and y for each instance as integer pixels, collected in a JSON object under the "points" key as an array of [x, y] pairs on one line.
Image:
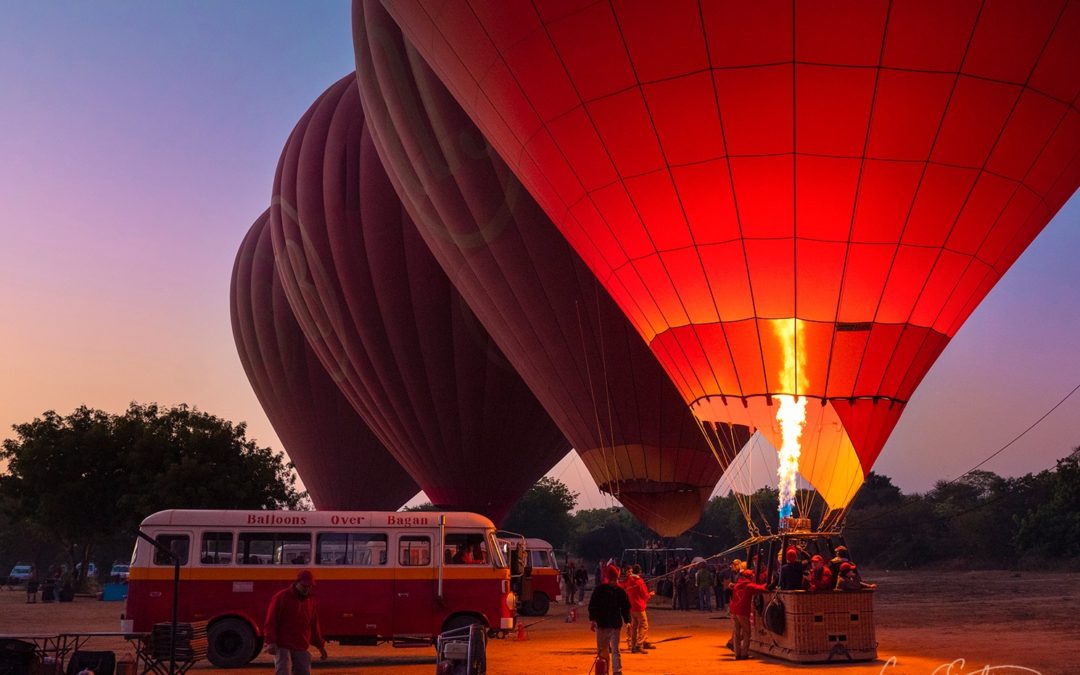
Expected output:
{"points": [[343, 465], [788, 199], [562, 332], [398, 338]]}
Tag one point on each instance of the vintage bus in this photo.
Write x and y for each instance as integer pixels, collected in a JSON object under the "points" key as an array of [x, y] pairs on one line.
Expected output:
{"points": [[538, 585], [403, 577]]}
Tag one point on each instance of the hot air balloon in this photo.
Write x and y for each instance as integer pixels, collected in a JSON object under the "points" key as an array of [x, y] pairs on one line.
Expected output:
{"points": [[343, 465], [797, 204], [545, 309], [399, 340]]}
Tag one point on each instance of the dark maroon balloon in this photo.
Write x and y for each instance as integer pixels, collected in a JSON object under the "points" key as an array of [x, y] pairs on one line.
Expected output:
{"points": [[343, 465], [556, 324], [377, 307]]}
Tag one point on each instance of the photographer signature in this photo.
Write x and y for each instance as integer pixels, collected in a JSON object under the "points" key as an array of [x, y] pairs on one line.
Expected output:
{"points": [[956, 667]]}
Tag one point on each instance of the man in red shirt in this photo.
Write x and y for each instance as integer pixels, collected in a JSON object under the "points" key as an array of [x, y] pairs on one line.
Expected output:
{"points": [[292, 625], [744, 591], [639, 595]]}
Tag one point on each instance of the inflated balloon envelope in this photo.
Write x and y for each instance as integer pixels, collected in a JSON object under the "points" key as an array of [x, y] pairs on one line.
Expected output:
{"points": [[559, 328], [786, 198]]}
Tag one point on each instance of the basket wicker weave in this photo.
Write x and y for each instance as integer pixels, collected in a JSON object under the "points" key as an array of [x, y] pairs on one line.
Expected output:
{"points": [[820, 627]]}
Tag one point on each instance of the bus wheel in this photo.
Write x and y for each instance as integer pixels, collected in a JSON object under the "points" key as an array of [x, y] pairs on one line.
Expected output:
{"points": [[539, 605], [232, 643], [461, 621]]}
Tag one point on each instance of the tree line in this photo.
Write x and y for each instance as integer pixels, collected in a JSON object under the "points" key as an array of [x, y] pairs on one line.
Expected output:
{"points": [[76, 487], [980, 520]]}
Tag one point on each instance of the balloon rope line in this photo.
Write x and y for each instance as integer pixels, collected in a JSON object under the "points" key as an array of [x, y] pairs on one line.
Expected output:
{"points": [[1019, 436], [950, 482]]}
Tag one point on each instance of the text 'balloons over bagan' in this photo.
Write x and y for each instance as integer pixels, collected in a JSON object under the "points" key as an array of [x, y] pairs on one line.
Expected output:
{"points": [[545, 309], [399, 340], [786, 198], [342, 464]]}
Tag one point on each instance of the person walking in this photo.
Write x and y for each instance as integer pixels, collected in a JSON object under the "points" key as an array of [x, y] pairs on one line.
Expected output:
{"points": [[292, 626], [741, 597], [609, 609]]}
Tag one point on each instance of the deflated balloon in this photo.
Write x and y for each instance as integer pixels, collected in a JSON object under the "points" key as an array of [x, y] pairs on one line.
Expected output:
{"points": [[343, 465], [399, 340]]}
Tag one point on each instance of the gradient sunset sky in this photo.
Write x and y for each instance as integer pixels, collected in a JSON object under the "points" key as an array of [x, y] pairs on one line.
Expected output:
{"points": [[138, 142]]}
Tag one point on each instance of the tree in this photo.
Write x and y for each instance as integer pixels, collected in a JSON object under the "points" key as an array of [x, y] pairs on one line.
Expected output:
{"points": [[544, 512], [1050, 528], [91, 477]]}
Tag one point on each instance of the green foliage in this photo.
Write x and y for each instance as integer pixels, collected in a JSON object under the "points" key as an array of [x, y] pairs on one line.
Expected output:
{"points": [[544, 512], [1051, 528], [91, 477]]}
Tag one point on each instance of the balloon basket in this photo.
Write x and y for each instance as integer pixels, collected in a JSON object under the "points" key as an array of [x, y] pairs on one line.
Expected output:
{"points": [[825, 627]]}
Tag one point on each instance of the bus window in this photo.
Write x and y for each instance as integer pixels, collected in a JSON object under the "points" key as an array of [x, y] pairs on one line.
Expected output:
{"points": [[278, 548], [465, 549], [541, 558], [364, 549], [177, 543], [414, 551], [216, 548]]}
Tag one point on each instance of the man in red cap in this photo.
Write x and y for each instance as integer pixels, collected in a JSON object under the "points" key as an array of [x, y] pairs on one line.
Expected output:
{"points": [[820, 578], [791, 572], [744, 591], [292, 625]]}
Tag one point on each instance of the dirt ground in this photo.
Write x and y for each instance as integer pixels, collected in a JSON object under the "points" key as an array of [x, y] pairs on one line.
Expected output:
{"points": [[940, 623]]}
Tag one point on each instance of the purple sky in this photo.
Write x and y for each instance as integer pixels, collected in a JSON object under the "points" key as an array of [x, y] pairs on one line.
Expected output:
{"points": [[139, 142]]}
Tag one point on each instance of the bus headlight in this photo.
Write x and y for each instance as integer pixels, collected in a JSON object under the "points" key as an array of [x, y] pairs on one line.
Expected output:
{"points": [[511, 601]]}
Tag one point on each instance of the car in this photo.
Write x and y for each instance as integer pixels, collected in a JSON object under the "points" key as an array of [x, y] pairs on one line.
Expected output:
{"points": [[20, 573], [91, 570], [119, 573]]}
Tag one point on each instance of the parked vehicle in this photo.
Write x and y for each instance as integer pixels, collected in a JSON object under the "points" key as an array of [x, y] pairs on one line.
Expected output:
{"points": [[380, 576], [119, 573], [20, 574], [537, 585]]}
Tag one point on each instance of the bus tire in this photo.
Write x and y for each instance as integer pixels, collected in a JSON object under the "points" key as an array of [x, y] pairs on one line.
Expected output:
{"points": [[232, 643], [539, 605], [463, 620]]}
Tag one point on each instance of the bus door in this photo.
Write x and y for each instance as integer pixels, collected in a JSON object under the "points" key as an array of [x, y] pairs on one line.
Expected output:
{"points": [[356, 583], [155, 590], [414, 586]]}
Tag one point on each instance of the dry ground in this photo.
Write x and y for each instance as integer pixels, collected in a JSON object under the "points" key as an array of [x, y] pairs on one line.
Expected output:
{"points": [[925, 622]]}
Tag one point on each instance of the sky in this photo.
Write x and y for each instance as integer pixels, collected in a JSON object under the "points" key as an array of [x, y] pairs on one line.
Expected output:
{"points": [[138, 142]]}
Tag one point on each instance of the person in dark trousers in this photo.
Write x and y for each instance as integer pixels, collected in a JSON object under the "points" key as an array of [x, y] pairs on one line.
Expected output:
{"points": [[741, 597], [32, 585], [581, 580], [609, 609], [292, 625]]}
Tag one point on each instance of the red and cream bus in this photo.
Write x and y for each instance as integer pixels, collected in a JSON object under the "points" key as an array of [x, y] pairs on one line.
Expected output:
{"points": [[379, 576]]}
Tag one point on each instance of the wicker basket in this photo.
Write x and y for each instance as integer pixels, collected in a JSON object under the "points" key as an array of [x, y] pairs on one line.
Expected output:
{"points": [[831, 626]]}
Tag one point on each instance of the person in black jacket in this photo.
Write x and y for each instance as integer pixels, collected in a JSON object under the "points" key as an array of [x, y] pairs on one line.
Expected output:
{"points": [[609, 609]]}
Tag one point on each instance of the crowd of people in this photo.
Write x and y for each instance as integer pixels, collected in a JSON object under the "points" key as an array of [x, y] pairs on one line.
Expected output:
{"points": [[621, 596]]}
